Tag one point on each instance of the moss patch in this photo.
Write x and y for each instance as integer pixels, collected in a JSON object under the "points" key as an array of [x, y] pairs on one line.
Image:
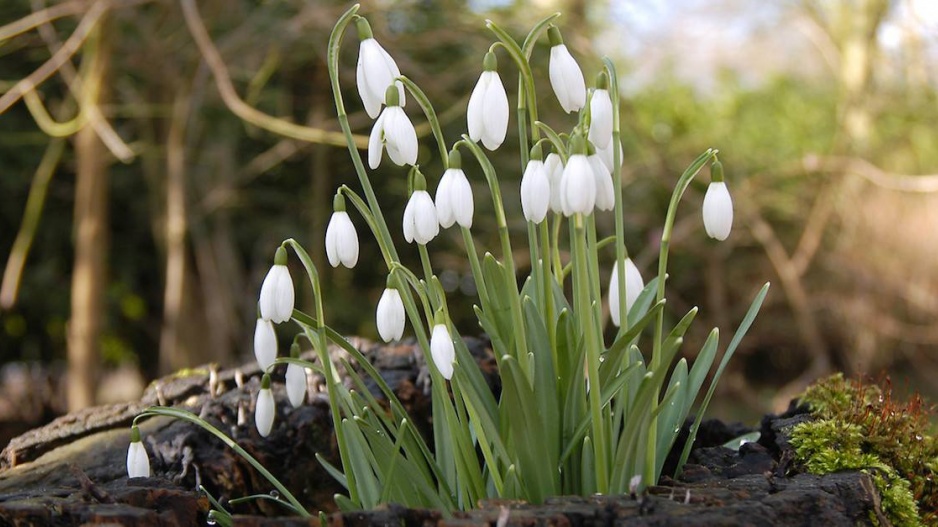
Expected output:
{"points": [[861, 427]]}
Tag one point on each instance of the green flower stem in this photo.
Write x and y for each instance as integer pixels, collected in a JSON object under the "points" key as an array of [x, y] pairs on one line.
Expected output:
{"points": [[583, 309], [621, 251], [427, 107], [386, 251], [649, 475], [494, 189], [548, 286], [185, 415], [527, 97], [537, 267], [418, 287], [555, 140], [596, 295], [555, 245], [335, 38], [475, 266], [435, 300]]}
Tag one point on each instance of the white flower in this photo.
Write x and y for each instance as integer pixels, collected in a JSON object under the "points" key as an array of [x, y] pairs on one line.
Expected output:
{"points": [[265, 343], [376, 71], [390, 315], [565, 75], [600, 133], [276, 300], [442, 350], [420, 221], [535, 191], [341, 240], [454, 202], [633, 286], [718, 211], [296, 384], [577, 186], [394, 130], [138, 463], [487, 114], [553, 165], [605, 192], [264, 409], [607, 155]]}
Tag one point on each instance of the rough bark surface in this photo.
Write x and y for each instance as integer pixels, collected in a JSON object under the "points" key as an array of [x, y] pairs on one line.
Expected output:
{"points": [[73, 472]]}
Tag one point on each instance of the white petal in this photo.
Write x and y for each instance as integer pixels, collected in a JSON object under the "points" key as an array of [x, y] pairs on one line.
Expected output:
{"points": [[578, 186], [553, 165], [442, 351], [535, 192], [376, 142], [264, 412], [296, 384], [444, 203], [379, 70], [426, 222], [475, 117], [718, 211], [495, 112], [634, 284], [265, 343], [277, 295], [600, 133], [614, 295], [461, 201], [138, 463], [409, 228], [605, 193], [371, 103], [566, 79], [608, 155], [390, 317], [341, 240], [400, 136]]}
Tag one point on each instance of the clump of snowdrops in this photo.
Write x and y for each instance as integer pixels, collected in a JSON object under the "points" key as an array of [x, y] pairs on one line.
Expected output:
{"points": [[577, 414]]}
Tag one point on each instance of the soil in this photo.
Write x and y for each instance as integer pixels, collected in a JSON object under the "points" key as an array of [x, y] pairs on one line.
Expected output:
{"points": [[73, 472]]}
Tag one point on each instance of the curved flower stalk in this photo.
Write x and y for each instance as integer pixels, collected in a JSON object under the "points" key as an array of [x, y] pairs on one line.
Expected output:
{"points": [[265, 343], [376, 71], [421, 223], [341, 237], [565, 75], [454, 203], [717, 205], [264, 408], [487, 114], [393, 130], [634, 284], [277, 295], [138, 462]]}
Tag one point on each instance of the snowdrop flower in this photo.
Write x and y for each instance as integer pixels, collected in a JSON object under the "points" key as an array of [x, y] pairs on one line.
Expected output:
{"points": [[565, 75], [138, 463], [264, 409], [600, 133], [607, 155], [341, 236], [454, 195], [390, 315], [633, 286], [553, 165], [717, 205], [442, 350], [487, 114], [276, 300], [578, 184], [376, 71], [296, 379], [605, 192], [535, 189], [420, 220], [265, 343], [394, 130]]}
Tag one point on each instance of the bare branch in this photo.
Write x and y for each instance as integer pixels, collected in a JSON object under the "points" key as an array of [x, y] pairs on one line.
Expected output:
{"points": [[922, 184], [39, 18]]}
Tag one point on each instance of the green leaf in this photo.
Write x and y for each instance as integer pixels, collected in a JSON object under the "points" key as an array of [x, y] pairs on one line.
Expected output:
{"points": [[671, 414], [701, 368], [545, 379]]}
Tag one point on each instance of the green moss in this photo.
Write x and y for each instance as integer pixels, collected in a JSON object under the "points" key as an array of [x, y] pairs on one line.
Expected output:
{"points": [[861, 427]]}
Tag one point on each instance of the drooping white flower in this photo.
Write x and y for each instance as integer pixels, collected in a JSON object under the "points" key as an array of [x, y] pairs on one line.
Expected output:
{"points": [[264, 408], [442, 350], [565, 75], [633, 287], [600, 133], [375, 72], [454, 203], [608, 156], [717, 205], [553, 165], [390, 316], [341, 240], [265, 343], [605, 192], [296, 384], [394, 130], [577, 186], [276, 302], [535, 191], [420, 220], [138, 463], [487, 114]]}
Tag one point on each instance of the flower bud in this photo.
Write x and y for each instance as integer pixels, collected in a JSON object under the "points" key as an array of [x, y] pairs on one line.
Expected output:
{"points": [[138, 463], [276, 301], [264, 408]]}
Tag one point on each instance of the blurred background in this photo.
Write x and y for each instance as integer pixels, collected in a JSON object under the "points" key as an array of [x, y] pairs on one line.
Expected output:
{"points": [[155, 153]]}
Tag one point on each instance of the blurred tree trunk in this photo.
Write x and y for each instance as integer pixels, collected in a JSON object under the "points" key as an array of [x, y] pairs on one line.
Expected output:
{"points": [[91, 234]]}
